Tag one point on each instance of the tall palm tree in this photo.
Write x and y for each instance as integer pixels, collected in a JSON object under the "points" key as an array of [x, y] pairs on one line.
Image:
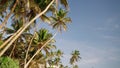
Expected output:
{"points": [[60, 20], [75, 57]]}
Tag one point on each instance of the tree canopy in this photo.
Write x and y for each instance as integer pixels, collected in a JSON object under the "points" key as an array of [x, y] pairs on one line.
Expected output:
{"points": [[21, 40]]}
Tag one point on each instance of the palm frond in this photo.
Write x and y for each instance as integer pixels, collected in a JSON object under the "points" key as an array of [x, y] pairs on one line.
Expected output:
{"points": [[67, 20], [44, 18], [9, 30], [65, 3]]}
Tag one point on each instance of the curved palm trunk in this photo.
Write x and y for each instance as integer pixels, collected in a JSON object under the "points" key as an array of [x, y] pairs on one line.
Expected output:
{"points": [[28, 24], [39, 50], [7, 17]]}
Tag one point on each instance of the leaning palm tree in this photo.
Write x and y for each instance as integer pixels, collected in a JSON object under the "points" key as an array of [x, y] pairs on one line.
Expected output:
{"points": [[40, 38], [75, 57]]}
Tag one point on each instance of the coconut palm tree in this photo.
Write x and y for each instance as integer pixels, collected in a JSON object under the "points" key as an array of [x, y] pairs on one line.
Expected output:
{"points": [[60, 19], [41, 37], [75, 57]]}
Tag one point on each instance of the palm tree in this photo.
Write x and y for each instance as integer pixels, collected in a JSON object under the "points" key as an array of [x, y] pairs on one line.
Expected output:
{"points": [[59, 20], [59, 53], [19, 45], [75, 57], [41, 37], [54, 58], [19, 32]]}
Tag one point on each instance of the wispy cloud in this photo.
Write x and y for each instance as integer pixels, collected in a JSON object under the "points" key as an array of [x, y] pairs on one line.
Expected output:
{"points": [[90, 54]]}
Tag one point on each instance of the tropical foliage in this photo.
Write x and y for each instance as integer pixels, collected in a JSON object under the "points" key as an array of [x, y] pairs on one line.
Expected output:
{"points": [[6, 62], [22, 43]]}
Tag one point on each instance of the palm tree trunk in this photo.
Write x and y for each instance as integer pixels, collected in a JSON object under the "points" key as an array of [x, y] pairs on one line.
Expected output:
{"points": [[7, 17], [28, 24], [39, 50], [28, 49], [12, 49]]}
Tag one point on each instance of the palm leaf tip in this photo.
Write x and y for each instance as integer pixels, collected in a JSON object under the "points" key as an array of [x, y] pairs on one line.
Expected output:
{"points": [[65, 3]]}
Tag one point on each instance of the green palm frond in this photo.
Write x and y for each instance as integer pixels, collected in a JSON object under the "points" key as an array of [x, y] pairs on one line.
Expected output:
{"points": [[9, 30], [59, 20], [44, 18], [75, 57], [67, 20], [65, 3]]}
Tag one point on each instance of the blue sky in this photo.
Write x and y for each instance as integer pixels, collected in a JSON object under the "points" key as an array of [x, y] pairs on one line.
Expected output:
{"points": [[94, 31]]}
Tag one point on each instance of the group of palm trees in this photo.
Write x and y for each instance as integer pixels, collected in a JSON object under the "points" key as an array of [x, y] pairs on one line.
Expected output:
{"points": [[19, 41]]}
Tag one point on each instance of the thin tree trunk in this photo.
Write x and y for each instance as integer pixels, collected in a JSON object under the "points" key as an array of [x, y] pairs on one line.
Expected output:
{"points": [[12, 49], [7, 17], [28, 24], [28, 49], [39, 50]]}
